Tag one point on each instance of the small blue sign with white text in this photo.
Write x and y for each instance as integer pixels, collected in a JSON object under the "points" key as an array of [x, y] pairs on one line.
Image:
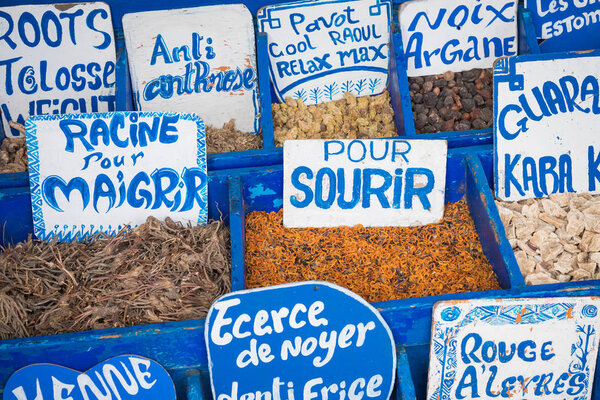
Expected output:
{"points": [[125, 377], [300, 341]]}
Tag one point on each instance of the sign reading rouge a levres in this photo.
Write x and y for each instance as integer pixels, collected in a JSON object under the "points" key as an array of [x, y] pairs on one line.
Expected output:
{"points": [[55, 59], [441, 35], [92, 173]]}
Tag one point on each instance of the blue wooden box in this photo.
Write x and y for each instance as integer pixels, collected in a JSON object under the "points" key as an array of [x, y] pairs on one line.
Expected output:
{"points": [[180, 347]]}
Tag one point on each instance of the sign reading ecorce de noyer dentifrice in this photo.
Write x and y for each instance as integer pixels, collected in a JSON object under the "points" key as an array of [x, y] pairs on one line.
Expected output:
{"points": [[92, 173], [55, 59], [547, 113], [198, 60], [441, 35], [383, 182], [300, 341], [319, 50], [542, 349]]}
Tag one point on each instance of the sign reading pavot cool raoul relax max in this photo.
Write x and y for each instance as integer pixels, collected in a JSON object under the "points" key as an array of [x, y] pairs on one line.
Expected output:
{"points": [[55, 59], [514, 349], [387, 182], [319, 50], [441, 35], [547, 113], [300, 341], [197, 60], [98, 172], [126, 377]]}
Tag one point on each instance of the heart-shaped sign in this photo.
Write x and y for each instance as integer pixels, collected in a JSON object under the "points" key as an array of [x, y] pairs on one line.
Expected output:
{"points": [[125, 377]]}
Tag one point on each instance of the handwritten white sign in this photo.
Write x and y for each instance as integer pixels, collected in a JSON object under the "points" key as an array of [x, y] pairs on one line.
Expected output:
{"points": [[94, 173], [514, 348], [546, 125], [196, 60], [390, 182], [440, 36], [318, 50], [55, 59]]}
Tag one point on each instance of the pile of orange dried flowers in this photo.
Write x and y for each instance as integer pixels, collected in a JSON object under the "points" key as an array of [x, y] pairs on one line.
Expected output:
{"points": [[377, 263]]}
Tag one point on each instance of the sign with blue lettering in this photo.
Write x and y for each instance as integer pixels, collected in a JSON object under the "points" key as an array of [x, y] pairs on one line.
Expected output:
{"points": [[321, 49], [382, 182], [440, 36], [55, 59], [92, 173], [514, 348], [299, 341], [196, 60], [547, 111], [124, 377], [566, 24]]}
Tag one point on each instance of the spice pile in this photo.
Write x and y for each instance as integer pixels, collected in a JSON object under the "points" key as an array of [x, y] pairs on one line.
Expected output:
{"points": [[454, 101], [13, 155], [377, 263], [555, 239], [352, 117], [156, 273], [229, 139]]}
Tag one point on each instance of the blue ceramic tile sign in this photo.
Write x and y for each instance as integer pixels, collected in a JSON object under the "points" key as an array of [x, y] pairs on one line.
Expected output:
{"points": [[381, 182], [92, 173], [299, 341], [514, 348], [566, 24], [197, 60], [319, 50], [126, 377], [55, 59], [442, 35], [547, 112]]}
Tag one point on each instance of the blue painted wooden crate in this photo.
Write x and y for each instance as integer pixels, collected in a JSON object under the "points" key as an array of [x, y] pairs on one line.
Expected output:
{"points": [[180, 347]]}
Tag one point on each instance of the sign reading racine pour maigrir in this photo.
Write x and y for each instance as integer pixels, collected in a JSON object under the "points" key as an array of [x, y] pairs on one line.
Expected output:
{"points": [[92, 173], [542, 349], [547, 113], [319, 50], [55, 59], [441, 35], [196, 60]]}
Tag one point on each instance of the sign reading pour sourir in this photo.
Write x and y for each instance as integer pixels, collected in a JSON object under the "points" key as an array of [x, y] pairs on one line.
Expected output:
{"points": [[125, 377], [55, 59], [300, 341], [389, 182], [319, 50], [547, 112], [566, 24], [514, 349], [94, 173], [441, 35], [197, 60]]}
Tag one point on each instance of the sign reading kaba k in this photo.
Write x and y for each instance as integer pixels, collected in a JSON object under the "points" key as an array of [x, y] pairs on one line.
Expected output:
{"points": [[547, 113], [55, 59], [193, 59], [300, 341], [94, 173], [442, 35], [542, 349], [321, 49], [382, 182]]}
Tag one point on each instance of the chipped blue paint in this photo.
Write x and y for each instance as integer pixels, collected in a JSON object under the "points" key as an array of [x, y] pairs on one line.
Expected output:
{"points": [[277, 203], [259, 190]]}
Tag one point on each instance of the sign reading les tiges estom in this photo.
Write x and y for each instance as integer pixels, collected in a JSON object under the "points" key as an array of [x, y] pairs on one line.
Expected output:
{"points": [[299, 341]]}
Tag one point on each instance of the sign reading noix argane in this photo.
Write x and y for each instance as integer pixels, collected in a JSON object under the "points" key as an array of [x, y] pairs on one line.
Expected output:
{"points": [[321, 49], [542, 349], [55, 59], [441, 35], [198, 60], [92, 173], [547, 113]]}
